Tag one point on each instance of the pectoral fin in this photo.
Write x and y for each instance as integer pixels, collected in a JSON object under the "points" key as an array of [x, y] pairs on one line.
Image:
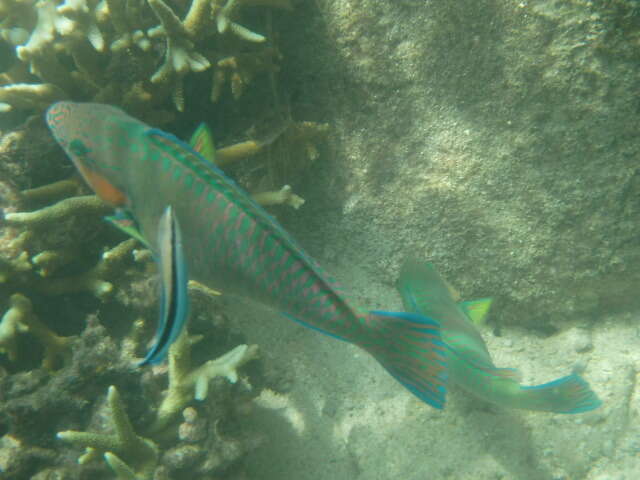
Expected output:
{"points": [[174, 279], [127, 224]]}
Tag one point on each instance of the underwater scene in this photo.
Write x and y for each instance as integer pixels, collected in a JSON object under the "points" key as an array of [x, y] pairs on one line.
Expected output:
{"points": [[319, 239]]}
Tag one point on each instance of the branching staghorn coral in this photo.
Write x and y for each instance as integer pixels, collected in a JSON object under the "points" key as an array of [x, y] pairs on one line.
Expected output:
{"points": [[180, 54], [21, 319], [52, 192], [103, 40], [130, 456], [94, 280], [286, 153], [187, 382], [36, 270], [46, 217], [123, 15], [12, 325], [47, 242], [240, 69], [284, 196], [29, 96]]}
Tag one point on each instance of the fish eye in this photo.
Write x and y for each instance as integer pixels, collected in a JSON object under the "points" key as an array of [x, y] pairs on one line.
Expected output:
{"points": [[78, 148]]}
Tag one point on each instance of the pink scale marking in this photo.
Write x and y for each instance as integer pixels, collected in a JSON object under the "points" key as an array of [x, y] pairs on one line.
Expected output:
{"points": [[239, 220], [217, 219], [285, 257], [302, 280], [321, 299], [297, 265], [252, 228], [227, 211], [280, 262], [263, 238], [331, 308]]}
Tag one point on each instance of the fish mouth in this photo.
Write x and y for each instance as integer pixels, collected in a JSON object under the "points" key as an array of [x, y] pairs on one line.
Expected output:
{"points": [[57, 113]]}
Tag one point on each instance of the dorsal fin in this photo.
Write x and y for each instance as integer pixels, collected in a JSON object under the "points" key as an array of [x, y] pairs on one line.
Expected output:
{"points": [[202, 142]]}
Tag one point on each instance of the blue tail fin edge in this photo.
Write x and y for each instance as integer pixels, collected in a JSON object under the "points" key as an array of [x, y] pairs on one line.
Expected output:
{"points": [[431, 388], [583, 398]]}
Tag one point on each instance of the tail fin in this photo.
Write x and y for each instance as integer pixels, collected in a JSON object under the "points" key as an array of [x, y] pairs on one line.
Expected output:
{"points": [[409, 347], [570, 394]]}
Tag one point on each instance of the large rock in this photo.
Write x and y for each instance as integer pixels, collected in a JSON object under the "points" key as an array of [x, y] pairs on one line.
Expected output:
{"points": [[498, 139]]}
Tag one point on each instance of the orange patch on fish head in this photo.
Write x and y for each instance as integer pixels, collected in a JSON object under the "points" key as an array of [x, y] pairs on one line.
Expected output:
{"points": [[83, 159], [106, 190]]}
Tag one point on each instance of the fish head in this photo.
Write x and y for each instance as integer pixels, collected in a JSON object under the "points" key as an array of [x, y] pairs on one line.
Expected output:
{"points": [[99, 139]]}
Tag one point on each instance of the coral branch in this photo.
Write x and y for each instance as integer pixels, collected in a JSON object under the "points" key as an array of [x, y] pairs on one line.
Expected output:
{"points": [[284, 196], [239, 70], [129, 455], [45, 217], [52, 192], [29, 96], [95, 280], [20, 319], [12, 324], [187, 383], [180, 54]]}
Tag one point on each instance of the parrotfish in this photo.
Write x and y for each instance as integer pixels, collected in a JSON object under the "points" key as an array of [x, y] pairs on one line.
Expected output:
{"points": [[470, 366], [197, 220]]}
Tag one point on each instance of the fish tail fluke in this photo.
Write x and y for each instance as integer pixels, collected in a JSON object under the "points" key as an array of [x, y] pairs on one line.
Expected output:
{"points": [[409, 347], [570, 394]]}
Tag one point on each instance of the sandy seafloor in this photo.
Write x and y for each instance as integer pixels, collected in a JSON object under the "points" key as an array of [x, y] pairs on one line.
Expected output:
{"points": [[346, 418]]}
